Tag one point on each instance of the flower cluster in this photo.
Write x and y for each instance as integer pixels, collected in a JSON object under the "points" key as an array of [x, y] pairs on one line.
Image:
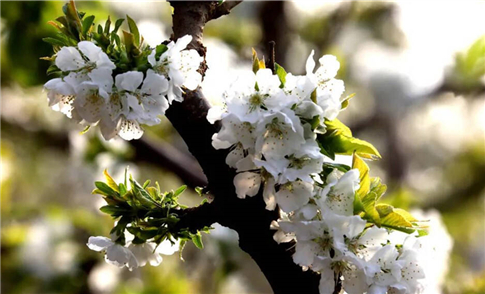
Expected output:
{"points": [[131, 255], [345, 248], [117, 85], [282, 134], [270, 123], [145, 226]]}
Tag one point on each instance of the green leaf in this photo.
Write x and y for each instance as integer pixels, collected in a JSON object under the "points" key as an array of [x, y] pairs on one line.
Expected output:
{"points": [[341, 167], [197, 239], [181, 249], [87, 24], [256, 62], [114, 211], [345, 102], [53, 69], [107, 190], [313, 96], [110, 182], [394, 219], [107, 26], [134, 30], [122, 189], [143, 196], [129, 40], [359, 164], [179, 191], [337, 126], [118, 24], [145, 185], [159, 50], [143, 234], [338, 140], [281, 73], [54, 41], [199, 191], [369, 206], [377, 187]]}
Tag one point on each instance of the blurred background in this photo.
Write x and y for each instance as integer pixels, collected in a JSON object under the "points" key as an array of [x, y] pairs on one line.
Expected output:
{"points": [[418, 71]]}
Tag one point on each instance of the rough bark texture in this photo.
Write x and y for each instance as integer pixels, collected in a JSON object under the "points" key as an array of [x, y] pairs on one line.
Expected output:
{"points": [[248, 217]]}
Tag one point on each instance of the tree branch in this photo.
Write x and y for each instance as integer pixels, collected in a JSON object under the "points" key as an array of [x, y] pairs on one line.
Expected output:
{"points": [[246, 216]]}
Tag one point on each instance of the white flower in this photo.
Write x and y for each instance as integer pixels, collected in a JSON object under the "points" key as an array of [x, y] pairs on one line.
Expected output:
{"points": [[146, 104], [293, 195], [383, 270], [146, 253], [250, 104], [61, 94], [339, 193], [179, 67], [83, 60], [279, 134], [329, 89], [116, 254], [303, 163]]}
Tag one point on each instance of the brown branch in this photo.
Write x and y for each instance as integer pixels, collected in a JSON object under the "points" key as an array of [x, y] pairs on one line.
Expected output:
{"points": [[246, 216], [224, 8]]}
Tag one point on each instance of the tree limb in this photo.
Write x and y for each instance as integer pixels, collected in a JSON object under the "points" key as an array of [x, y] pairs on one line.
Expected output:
{"points": [[246, 216]]}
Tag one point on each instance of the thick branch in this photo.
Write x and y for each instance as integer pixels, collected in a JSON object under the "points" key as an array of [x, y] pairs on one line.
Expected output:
{"points": [[246, 216]]}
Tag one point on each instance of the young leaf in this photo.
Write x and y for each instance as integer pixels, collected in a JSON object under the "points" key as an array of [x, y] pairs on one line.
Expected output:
{"points": [[87, 24], [134, 30], [110, 182], [346, 100], [107, 190], [255, 61], [54, 41], [281, 73], [114, 211], [369, 206], [181, 248], [197, 239], [359, 164], [179, 191]]}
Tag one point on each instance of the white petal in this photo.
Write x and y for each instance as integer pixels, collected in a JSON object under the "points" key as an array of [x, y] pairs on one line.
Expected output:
{"points": [[68, 58], [130, 130], [151, 58], [247, 183], [219, 144], [99, 243], [90, 50], [89, 103], [293, 196], [269, 194], [167, 248], [129, 81], [214, 114], [154, 84], [310, 63]]}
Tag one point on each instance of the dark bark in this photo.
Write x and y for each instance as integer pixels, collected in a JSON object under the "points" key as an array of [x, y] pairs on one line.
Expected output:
{"points": [[248, 217]]}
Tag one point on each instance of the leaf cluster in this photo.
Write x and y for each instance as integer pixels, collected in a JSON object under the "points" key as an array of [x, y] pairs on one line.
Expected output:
{"points": [[126, 49], [145, 211]]}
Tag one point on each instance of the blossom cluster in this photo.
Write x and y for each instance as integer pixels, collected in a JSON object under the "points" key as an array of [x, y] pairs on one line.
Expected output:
{"points": [[92, 90], [281, 131], [131, 255], [345, 248], [269, 127]]}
